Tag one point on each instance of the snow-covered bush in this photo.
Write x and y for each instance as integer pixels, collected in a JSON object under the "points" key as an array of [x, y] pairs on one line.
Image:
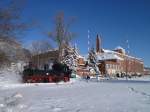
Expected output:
{"points": [[92, 59], [70, 56], [9, 76]]}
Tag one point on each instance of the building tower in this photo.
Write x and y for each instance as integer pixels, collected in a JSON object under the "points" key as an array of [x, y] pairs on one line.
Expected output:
{"points": [[98, 44]]}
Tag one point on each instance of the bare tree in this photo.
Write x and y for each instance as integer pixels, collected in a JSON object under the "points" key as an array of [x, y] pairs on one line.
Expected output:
{"points": [[10, 21], [12, 27], [40, 46], [62, 36], [4, 60]]}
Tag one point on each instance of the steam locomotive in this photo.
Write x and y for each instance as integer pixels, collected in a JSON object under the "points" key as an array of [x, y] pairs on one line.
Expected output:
{"points": [[59, 72]]}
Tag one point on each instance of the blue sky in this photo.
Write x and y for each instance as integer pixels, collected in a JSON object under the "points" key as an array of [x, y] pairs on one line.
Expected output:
{"points": [[116, 20]]}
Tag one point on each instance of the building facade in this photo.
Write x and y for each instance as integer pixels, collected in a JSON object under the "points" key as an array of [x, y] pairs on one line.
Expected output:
{"points": [[117, 62]]}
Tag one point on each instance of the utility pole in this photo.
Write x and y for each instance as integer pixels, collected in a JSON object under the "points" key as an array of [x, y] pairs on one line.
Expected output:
{"points": [[88, 41], [127, 60]]}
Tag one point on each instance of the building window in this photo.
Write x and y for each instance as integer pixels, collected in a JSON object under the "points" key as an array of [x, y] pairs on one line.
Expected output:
{"points": [[107, 66], [113, 66], [110, 66]]}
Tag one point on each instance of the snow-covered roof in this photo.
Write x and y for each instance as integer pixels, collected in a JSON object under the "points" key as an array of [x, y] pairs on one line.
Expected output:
{"points": [[120, 48], [108, 56], [108, 51], [79, 56], [83, 57]]}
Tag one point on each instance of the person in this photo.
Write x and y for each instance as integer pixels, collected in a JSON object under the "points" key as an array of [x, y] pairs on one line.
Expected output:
{"points": [[86, 64], [46, 66], [87, 78]]}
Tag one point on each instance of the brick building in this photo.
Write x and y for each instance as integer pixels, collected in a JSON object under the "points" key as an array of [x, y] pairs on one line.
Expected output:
{"points": [[146, 71], [116, 61]]}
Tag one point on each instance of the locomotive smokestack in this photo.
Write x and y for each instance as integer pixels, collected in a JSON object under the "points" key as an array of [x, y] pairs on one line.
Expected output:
{"points": [[98, 48]]}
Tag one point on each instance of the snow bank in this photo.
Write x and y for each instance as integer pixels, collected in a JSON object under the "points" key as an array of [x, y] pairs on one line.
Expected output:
{"points": [[9, 77]]}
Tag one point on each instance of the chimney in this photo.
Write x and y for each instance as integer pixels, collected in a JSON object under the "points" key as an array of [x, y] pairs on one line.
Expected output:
{"points": [[98, 44]]}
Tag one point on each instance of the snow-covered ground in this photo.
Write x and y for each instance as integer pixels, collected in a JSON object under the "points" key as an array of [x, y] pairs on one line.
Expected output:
{"points": [[9, 77], [77, 96]]}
